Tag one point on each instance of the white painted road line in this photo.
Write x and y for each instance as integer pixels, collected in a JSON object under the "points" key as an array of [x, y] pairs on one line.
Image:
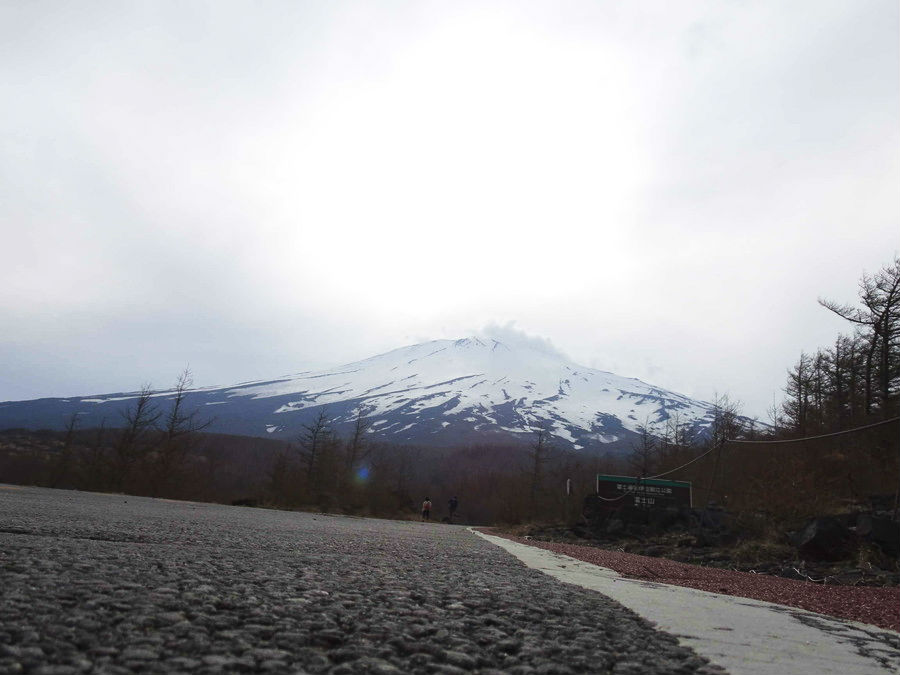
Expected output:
{"points": [[746, 637]]}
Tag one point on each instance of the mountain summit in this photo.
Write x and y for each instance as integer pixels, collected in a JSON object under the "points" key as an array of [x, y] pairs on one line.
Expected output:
{"points": [[435, 393]]}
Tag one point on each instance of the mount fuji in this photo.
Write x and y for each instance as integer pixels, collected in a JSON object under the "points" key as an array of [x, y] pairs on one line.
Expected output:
{"points": [[438, 393]]}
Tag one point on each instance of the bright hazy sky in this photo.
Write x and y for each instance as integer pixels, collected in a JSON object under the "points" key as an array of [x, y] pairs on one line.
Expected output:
{"points": [[660, 189]]}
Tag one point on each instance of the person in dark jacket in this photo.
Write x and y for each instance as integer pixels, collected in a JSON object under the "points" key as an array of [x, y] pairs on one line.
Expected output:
{"points": [[451, 507]]}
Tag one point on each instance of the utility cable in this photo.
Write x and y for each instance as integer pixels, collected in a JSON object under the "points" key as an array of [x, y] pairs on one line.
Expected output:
{"points": [[812, 438], [697, 458], [792, 440]]}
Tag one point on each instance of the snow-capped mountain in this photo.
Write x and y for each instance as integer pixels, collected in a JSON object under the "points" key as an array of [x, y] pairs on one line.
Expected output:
{"points": [[436, 393]]}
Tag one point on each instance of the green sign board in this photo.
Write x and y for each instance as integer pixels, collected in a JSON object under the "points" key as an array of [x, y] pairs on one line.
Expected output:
{"points": [[644, 492]]}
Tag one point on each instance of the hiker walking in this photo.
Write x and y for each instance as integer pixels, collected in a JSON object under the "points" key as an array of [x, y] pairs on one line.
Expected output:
{"points": [[426, 509], [451, 506]]}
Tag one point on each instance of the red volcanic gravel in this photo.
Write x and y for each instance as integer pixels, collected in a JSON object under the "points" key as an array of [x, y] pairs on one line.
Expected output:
{"points": [[876, 606]]}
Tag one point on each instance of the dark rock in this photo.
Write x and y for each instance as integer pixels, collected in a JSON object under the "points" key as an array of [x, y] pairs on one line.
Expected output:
{"points": [[882, 532], [845, 519], [722, 537], [881, 502], [826, 539], [594, 509], [712, 516], [664, 519], [633, 515], [581, 530], [614, 526]]}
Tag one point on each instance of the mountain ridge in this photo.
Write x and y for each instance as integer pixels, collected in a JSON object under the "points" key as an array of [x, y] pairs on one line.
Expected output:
{"points": [[440, 392]]}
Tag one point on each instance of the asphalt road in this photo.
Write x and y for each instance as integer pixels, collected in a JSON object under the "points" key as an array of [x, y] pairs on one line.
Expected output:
{"points": [[95, 583]]}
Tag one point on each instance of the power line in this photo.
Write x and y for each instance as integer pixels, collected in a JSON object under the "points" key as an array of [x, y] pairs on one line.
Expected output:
{"points": [[812, 438], [792, 440], [698, 457]]}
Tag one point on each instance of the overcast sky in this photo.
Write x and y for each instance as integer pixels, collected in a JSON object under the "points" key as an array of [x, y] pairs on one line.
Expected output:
{"points": [[660, 189]]}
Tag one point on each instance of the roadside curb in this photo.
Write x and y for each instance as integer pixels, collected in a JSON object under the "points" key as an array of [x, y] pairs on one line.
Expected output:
{"points": [[744, 636]]}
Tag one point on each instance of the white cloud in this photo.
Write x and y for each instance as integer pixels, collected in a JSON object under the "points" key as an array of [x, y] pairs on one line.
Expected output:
{"points": [[662, 190], [512, 336]]}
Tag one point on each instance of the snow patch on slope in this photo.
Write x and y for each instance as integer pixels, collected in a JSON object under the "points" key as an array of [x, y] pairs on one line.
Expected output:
{"points": [[478, 378]]}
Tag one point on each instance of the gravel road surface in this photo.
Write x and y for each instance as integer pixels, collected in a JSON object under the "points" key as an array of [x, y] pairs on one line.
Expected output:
{"points": [[94, 583]]}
